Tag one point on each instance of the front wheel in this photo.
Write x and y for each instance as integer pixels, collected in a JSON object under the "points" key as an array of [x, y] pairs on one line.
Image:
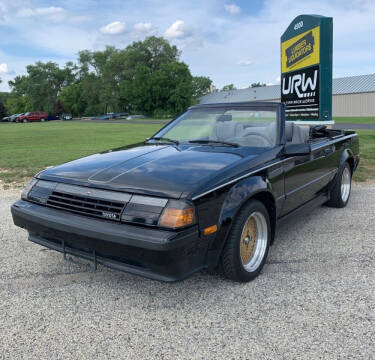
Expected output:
{"points": [[24, 121], [340, 192], [246, 248], [42, 119]]}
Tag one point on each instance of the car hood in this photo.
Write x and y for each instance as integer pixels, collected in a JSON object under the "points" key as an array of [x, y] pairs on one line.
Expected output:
{"points": [[161, 170]]}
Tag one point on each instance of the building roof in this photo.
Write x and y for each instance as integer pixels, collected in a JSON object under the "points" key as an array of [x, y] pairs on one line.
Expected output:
{"points": [[344, 85], [354, 84]]}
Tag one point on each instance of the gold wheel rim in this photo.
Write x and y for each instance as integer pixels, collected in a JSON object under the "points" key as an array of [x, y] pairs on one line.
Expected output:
{"points": [[248, 239]]}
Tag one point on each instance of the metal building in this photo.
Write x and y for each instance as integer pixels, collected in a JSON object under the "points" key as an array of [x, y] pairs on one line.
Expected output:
{"points": [[352, 96]]}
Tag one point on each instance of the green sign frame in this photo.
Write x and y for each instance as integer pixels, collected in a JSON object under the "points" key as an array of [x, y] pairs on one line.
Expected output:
{"points": [[306, 69]]}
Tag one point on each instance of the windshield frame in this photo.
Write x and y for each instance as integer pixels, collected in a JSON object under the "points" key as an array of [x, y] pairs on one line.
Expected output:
{"points": [[259, 106]]}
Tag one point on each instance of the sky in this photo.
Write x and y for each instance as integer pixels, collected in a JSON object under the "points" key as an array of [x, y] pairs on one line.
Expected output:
{"points": [[230, 41]]}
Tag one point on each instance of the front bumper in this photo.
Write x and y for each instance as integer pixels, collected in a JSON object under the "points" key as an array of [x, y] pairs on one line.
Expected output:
{"points": [[157, 254]]}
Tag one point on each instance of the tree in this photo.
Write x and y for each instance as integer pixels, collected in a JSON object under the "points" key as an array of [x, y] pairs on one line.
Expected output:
{"points": [[153, 52], [112, 70], [3, 110], [42, 84], [147, 76], [228, 87], [172, 88], [59, 107], [137, 93], [18, 104], [4, 96], [72, 99], [201, 86], [167, 91], [257, 84]]}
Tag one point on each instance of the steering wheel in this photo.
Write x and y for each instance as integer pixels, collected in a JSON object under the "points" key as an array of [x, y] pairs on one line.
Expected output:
{"points": [[263, 137]]}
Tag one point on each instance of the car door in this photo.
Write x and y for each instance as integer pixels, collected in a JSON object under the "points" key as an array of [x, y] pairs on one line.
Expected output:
{"points": [[31, 117], [306, 176]]}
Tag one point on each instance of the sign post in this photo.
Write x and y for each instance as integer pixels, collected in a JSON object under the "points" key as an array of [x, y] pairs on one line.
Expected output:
{"points": [[306, 70]]}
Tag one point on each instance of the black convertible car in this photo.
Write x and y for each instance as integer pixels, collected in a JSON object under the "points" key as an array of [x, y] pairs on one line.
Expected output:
{"points": [[207, 191]]}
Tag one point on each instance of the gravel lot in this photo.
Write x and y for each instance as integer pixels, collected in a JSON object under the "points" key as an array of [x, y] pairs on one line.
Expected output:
{"points": [[314, 299]]}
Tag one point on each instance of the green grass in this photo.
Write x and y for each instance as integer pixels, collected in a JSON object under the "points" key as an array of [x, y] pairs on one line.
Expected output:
{"points": [[25, 149], [366, 169], [355, 120]]}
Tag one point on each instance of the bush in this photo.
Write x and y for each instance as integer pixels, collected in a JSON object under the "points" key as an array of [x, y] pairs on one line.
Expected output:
{"points": [[161, 114]]}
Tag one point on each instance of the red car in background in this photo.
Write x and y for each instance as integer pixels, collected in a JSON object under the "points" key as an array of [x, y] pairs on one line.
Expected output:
{"points": [[33, 116]]}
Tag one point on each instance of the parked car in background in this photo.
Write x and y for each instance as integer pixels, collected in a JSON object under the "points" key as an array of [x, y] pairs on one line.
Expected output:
{"points": [[111, 116], [66, 117], [133, 117], [5, 118], [14, 117], [33, 116]]}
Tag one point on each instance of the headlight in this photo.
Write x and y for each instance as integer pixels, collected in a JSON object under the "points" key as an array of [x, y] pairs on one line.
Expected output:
{"points": [[27, 189], [38, 191], [177, 214], [158, 212]]}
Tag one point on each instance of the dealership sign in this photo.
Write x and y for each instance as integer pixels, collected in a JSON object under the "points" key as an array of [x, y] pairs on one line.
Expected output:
{"points": [[306, 69]]}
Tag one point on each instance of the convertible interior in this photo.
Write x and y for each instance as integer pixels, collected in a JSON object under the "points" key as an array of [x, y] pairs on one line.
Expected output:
{"points": [[246, 134]]}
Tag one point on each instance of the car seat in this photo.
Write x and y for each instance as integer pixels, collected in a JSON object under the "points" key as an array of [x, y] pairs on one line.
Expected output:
{"points": [[295, 134], [225, 128]]}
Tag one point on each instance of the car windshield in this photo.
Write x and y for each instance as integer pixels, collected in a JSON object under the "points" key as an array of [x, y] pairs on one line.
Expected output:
{"points": [[251, 127]]}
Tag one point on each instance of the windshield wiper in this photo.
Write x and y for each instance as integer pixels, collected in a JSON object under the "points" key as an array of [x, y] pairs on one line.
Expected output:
{"points": [[160, 138], [202, 141]]}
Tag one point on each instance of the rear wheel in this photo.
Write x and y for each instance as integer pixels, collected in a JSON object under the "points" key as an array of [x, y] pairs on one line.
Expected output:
{"points": [[246, 249], [42, 119], [340, 192], [24, 121]]}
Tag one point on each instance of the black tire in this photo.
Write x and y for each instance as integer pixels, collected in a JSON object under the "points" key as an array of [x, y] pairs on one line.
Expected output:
{"points": [[338, 198], [24, 121], [42, 119], [231, 264]]}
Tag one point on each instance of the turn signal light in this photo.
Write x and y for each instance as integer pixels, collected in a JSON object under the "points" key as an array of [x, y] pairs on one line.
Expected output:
{"points": [[27, 189], [210, 230], [175, 218]]}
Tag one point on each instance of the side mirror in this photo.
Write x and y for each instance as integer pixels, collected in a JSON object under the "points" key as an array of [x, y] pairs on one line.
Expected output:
{"points": [[297, 149]]}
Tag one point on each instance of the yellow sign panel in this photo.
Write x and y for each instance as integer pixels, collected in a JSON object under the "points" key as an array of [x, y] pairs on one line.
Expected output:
{"points": [[301, 51]]}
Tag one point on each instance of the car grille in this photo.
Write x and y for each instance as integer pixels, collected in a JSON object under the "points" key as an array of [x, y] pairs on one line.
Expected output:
{"points": [[85, 205]]}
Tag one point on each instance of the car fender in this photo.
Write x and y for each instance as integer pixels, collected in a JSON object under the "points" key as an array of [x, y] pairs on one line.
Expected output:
{"points": [[347, 155], [236, 197]]}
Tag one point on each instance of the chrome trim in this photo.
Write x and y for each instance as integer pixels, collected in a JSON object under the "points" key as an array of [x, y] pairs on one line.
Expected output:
{"points": [[147, 200], [331, 142], [46, 184], [334, 171], [266, 167], [94, 193], [240, 177]]}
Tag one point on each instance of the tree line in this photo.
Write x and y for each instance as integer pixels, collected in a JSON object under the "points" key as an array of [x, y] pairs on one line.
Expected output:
{"points": [[146, 77], [252, 85]]}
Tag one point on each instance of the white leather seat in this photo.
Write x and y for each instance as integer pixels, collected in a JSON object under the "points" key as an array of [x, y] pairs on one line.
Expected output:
{"points": [[224, 130], [295, 134]]}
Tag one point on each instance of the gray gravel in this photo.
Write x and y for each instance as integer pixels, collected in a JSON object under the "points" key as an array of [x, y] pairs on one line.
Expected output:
{"points": [[314, 299]]}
